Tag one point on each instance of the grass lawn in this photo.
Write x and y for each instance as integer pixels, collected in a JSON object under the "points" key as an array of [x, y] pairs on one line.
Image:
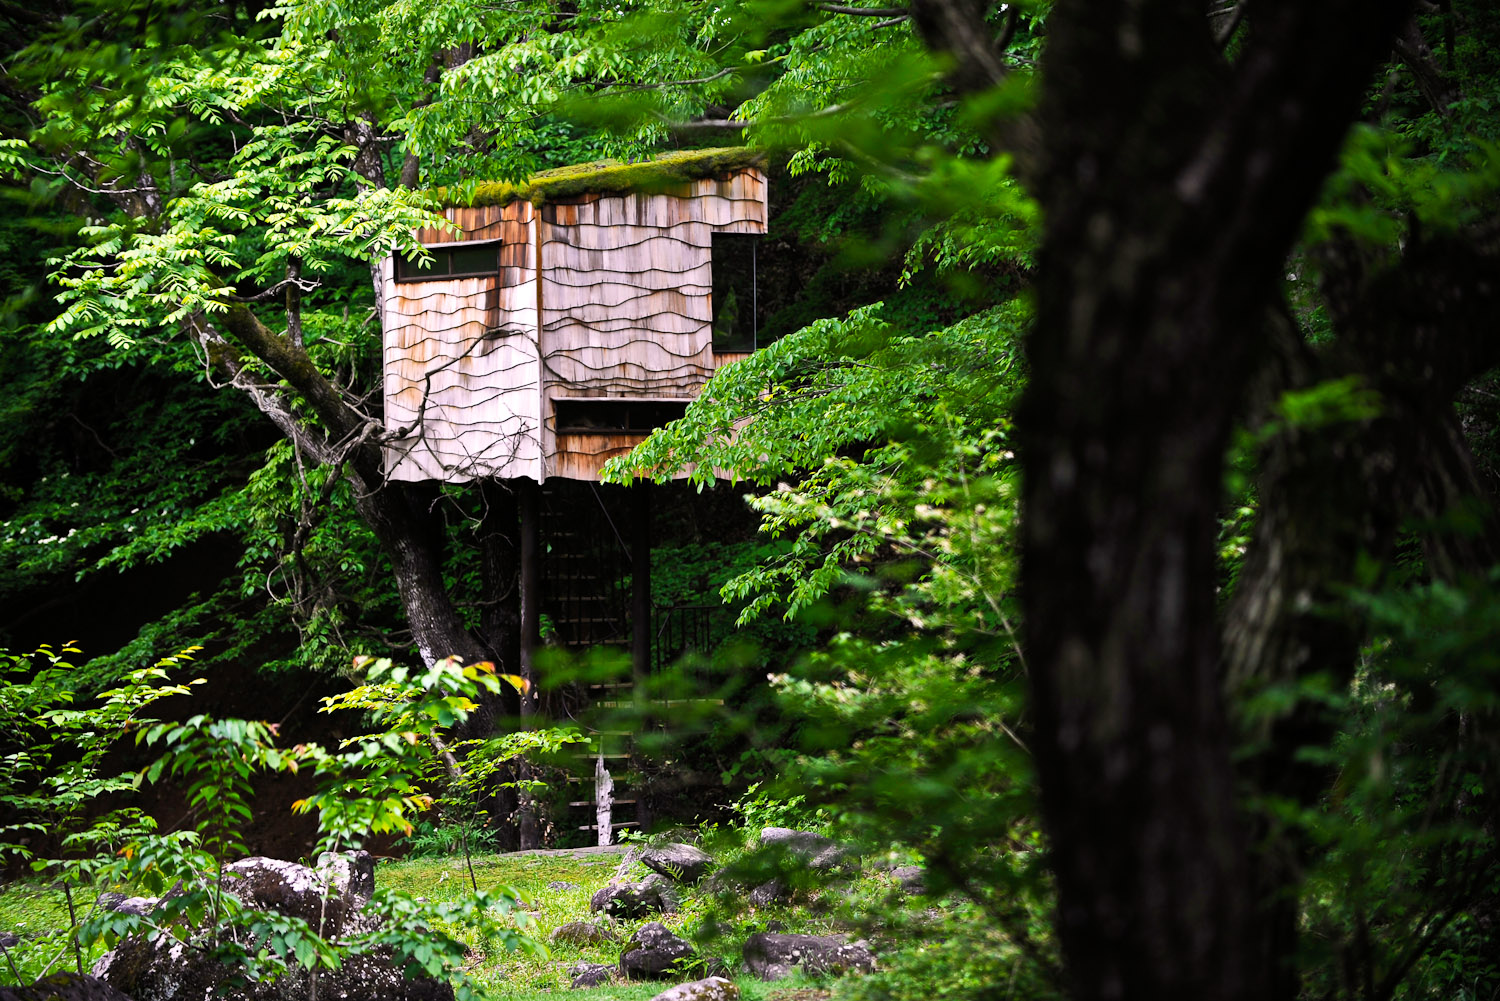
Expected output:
{"points": [[511, 975], [29, 909]]}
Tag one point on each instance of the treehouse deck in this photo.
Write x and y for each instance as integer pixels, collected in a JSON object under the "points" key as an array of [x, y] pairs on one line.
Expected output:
{"points": [[567, 318]]}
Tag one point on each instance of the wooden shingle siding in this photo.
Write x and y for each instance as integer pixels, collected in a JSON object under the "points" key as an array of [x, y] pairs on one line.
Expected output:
{"points": [[623, 308], [462, 353], [628, 306]]}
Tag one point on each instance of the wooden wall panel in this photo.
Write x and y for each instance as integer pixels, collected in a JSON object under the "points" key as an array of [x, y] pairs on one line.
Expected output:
{"points": [[627, 283], [461, 372], [510, 223], [622, 307], [581, 456]]}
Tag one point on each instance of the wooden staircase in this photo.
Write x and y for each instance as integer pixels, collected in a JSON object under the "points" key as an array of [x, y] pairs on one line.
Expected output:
{"points": [[585, 562]]}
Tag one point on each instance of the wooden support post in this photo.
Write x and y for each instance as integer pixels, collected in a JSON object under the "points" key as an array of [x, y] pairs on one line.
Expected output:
{"points": [[640, 577], [529, 507], [640, 629]]}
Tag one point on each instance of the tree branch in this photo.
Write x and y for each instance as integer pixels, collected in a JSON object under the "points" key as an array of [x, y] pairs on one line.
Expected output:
{"points": [[958, 28], [1414, 51], [292, 363], [837, 8]]}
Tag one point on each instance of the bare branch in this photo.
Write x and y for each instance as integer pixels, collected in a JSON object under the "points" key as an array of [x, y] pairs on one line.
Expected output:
{"points": [[837, 8], [275, 291], [1417, 55], [1235, 14], [294, 300], [220, 357], [674, 83], [958, 28]]}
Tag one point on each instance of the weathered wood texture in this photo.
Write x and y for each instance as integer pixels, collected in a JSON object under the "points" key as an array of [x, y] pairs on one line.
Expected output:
{"points": [[461, 361], [625, 310]]}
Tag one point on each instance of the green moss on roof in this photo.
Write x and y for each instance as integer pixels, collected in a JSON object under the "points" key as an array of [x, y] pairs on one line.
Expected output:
{"points": [[610, 176]]}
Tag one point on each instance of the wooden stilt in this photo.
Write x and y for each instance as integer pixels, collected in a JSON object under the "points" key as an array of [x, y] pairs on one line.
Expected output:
{"points": [[529, 507], [604, 799], [640, 576], [640, 630]]}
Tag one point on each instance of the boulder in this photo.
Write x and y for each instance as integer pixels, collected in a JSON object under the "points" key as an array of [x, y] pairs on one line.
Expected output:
{"points": [[63, 987], [590, 974], [326, 898], [666, 891], [582, 933], [351, 873], [709, 989], [562, 884], [9, 940], [315, 896], [818, 853], [805, 844], [772, 891], [772, 956], [677, 861], [913, 879], [653, 953], [723, 882], [122, 904], [627, 900]]}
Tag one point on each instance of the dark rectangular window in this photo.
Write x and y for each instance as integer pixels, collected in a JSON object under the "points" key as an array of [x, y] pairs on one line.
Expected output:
{"points": [[606, 416], [469, 260], [736, 300]]}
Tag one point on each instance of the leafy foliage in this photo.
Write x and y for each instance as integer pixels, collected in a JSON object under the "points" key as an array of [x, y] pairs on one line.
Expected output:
{"points": [[216, 760]]}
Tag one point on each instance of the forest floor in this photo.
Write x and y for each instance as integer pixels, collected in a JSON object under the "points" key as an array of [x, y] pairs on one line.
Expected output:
{"points": [[29, 908]]}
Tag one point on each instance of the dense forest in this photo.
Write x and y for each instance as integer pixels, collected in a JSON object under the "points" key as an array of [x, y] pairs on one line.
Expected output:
{"points": [[1104, 518]]}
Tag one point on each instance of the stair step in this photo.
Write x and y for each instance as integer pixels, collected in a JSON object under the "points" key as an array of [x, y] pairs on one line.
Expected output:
{"points": [[595, 827], [614, 802]]}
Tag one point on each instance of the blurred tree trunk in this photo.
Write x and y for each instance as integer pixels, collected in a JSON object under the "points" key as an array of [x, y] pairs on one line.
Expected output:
{"points": [[1174, 183]]}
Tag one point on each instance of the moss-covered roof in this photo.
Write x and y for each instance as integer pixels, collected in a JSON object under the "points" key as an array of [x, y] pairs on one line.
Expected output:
{"points": [[606, 176]]}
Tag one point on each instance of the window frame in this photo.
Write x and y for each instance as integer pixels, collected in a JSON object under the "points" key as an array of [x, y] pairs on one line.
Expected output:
{"points": [[624, 404], [435, 250]]}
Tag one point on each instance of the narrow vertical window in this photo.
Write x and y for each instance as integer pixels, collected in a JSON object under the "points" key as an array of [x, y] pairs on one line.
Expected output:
{"points": [[736, 299]]}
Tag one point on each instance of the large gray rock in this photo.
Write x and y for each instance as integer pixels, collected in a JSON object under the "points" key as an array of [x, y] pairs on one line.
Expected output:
{"points": [[677, 861], [169, 970], [627, 900], [590, 974], [818, 853], [63, 987], [771, 956], [122, 904], [581, 933], [708, 989], [913, 878], [803, 843], [772, 891], [351, 873], [666, 891], [653, 953], [322, 897]]}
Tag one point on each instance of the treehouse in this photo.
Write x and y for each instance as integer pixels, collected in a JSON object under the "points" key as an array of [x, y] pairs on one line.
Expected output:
{"points": [[569, 316]]}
